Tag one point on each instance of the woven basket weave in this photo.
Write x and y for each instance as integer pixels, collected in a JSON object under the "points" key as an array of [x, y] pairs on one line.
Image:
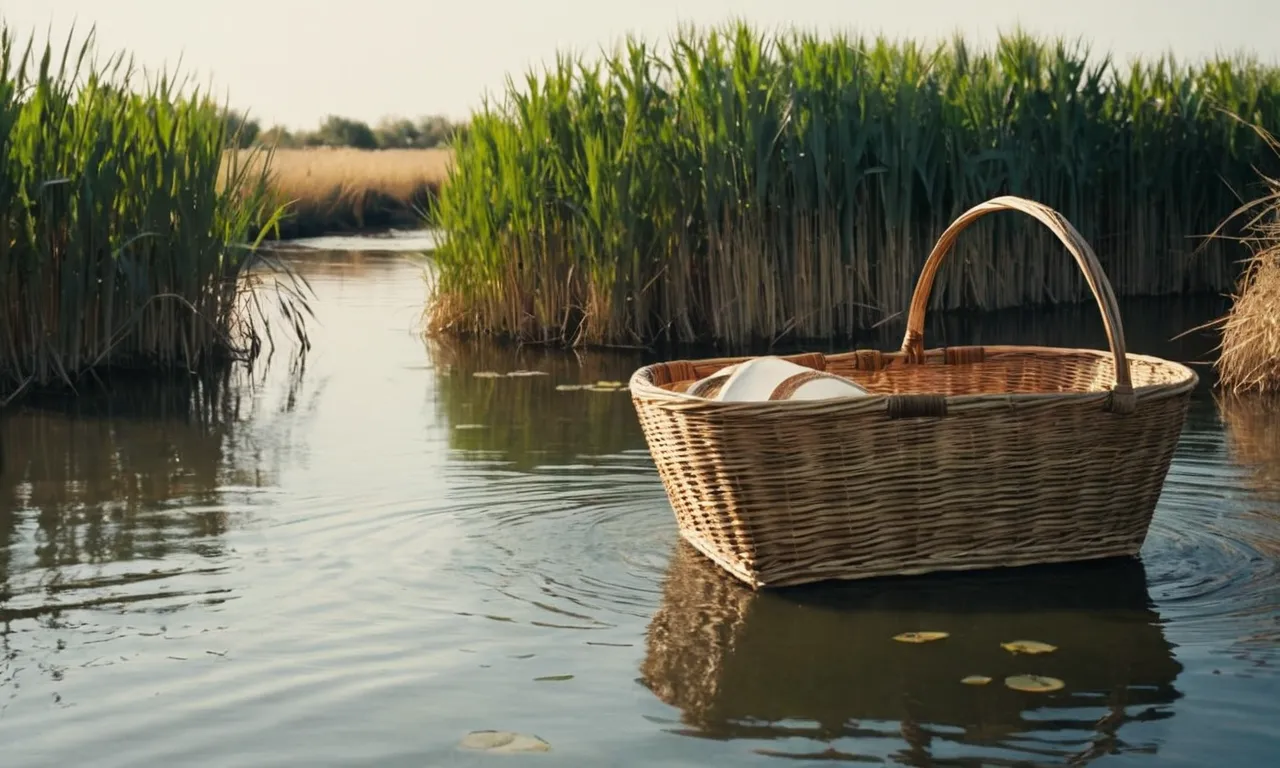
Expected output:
{"points": [[961, 458]]}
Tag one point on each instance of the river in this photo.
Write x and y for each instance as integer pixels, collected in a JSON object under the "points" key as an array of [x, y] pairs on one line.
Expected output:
{"points": [[359, 556]]}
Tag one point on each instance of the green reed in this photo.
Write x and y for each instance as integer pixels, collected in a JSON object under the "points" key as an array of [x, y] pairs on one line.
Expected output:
{"points": [[124, 240], [737, 187]]}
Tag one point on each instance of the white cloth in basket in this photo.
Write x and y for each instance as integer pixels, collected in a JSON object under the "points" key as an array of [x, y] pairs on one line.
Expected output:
{"points": [[772, 378]]}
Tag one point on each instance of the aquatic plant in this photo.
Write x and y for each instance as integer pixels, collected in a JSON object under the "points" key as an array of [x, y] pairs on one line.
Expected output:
{"points": [[124, 241], [740, 187]]}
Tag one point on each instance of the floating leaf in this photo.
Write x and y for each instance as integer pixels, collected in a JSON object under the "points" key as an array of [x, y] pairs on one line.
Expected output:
{"points": [[571, 387], [1028, 646], [504, 742], [920, 637], [1034, 683], [487, 375], [976, 680], [609, 384], [472, 426], [525, 374]]}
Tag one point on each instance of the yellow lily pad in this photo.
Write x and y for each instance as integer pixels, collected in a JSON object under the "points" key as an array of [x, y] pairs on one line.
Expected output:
{"points": [[976, 680], [1034, 683], [609, 384], [1028, 647], [920, 637], [487, 375], [525, 374], [503, 742]]}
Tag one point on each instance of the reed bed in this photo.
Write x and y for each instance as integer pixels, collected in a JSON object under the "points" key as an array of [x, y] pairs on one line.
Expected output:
{"points": [[332, 189], [124, 240], [1250, 354], [737, 187]]}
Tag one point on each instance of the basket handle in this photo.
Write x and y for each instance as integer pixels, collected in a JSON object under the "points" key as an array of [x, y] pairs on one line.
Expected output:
{"points": [[1122, 398]]}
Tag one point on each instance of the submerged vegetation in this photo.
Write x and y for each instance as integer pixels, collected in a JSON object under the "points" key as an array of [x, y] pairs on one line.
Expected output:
{"points": [[1250, 355], [742, 187], [124, 241]]}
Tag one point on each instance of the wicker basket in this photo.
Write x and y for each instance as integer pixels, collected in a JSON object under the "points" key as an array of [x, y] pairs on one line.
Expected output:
{"points": [[962, 457]]}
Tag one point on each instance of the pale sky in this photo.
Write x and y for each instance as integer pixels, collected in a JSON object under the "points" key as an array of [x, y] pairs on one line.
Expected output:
{"points": [[293, 62]]}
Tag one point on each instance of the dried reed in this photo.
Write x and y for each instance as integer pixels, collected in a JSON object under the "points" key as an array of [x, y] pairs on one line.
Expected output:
{"points": [[1250, 354], [331, 189]]}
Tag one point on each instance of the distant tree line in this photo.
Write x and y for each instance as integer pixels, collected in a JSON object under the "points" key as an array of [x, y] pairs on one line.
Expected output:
{"points": [[335, 131]]}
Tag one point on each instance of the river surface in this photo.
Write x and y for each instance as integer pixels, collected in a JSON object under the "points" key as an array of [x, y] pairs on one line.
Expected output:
{"points": [[357, 557]]}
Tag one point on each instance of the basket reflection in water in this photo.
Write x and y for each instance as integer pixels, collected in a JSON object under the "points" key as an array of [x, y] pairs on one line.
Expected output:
{"points": [[821, 664]]}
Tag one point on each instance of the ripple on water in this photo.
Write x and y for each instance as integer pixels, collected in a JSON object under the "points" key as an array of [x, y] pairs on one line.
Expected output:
{"points": [[573, 547], [1211, 555]]}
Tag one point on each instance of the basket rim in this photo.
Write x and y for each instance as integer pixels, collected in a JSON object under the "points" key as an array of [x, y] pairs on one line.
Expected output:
{"points": [[643, 388]]}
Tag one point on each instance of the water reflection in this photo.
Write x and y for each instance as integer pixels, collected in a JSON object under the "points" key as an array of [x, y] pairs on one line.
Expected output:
{"points": [[1253, 438], [526, 420], [97, 491], [820, 665]]}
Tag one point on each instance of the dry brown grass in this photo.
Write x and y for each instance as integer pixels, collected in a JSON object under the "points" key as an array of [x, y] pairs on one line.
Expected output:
{"points": [[1250, 357], [335, 189]]}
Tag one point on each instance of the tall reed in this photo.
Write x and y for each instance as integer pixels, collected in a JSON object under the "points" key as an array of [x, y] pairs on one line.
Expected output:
{"points": [[737, 187], [122, 242]]}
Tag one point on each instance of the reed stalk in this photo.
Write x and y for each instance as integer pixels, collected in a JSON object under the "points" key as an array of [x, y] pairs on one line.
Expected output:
{"points": [[737, 187], [124, 242]]}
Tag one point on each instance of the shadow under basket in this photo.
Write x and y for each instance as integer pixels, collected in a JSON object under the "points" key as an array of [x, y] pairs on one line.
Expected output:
{"points": [[959, 458]]}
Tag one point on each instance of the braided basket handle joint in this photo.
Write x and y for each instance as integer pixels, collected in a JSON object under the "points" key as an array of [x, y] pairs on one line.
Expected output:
{"points": [[1122, 398]]}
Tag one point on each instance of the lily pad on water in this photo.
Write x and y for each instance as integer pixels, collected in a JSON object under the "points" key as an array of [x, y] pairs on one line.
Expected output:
{"points": [[487, 375], [571, 387], [609, 384], [920, 637], [1028, 646], [525, 374], [472, 426], [504, 742], [1034, 683], [976, 680]]}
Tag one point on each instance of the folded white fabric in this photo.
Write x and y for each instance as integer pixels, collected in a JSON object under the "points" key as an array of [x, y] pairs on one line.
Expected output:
{"points": [[772, 378]]}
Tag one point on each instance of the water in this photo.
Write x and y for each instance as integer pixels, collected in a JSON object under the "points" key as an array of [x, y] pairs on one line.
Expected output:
{"points": [[391, 241], [360, 557]]}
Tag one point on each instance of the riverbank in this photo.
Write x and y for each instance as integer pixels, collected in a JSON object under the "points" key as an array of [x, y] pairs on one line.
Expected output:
{"points": [[342, 190], [754, 187]]}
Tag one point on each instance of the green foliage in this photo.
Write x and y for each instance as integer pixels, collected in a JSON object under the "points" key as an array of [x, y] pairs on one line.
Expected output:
{"points": [[242, 131], [744, 187], [124, 239], [341, 132], [392, 133]]}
